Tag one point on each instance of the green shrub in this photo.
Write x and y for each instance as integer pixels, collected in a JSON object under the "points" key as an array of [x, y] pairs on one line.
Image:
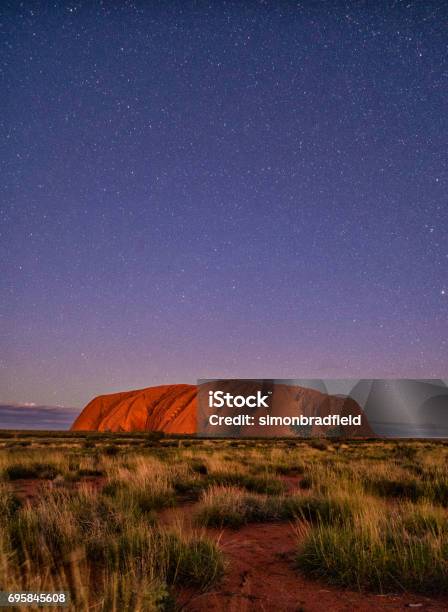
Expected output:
{"points": [[87, 472], [306, 482], [289, 469], [111, 450], [199, 467], [404, 489], [188, 488], [20, 471], [319, 444]]}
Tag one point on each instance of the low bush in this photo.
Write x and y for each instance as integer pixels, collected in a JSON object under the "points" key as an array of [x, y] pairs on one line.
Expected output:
{"points": [[88, 472], [404, 489], [19, 471], [289, 469], [111, 450], [199, 467]]}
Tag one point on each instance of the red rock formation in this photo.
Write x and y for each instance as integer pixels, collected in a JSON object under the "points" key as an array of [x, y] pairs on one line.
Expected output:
{"points": [[168, 408], [173, 410]]}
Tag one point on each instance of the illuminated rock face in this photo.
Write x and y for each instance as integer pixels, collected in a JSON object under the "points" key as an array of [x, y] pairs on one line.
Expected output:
{"points": [[173, 410], [168, 408]]}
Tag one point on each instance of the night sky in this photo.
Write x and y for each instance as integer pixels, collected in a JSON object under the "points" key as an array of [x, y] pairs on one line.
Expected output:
{"points": [[221, 189]]}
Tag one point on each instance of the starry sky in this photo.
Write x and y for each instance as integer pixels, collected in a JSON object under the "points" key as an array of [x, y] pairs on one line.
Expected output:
{"points": [[221, 189]]}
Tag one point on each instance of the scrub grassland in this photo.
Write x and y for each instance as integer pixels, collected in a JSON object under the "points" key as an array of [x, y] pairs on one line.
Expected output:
{"points": [[145, 522]]}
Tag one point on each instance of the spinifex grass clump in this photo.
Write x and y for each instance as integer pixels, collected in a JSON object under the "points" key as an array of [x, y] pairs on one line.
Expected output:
{"points": [[9, 503], [190, 560], [289, 469], [424, 519], [232, 507], [405, 483], [380, 551], [143, 484], [47, 531], [145, 594], [408, 488], [189, 487], [136, 500], [262, 483], [195, 561]]}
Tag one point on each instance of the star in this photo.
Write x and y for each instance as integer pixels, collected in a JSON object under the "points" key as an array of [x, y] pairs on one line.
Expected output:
{"points": [[179, 180]]}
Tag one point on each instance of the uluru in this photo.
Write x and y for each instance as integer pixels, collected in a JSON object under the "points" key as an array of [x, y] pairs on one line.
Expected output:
{"points": [[173, 409], [167, 408]]}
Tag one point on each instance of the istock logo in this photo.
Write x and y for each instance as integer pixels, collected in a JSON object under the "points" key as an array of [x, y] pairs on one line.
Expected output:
{"points": [[218, 399]]}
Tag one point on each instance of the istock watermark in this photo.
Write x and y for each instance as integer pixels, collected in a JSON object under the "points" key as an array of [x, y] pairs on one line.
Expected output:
{"points": [[302, 408], [218, 399]]}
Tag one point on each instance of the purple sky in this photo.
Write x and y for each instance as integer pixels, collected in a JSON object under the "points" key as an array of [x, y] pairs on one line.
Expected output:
{"points": [[222, 189]]}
